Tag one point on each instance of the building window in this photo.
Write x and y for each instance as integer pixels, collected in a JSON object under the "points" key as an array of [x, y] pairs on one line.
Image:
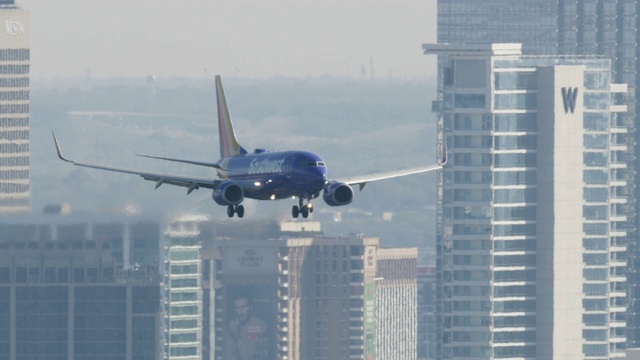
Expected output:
{"points": [[516, 142], [515, 195], [595, 274], [515, 122], [595, 304], [514, 230], [596, 141], [514, 213], [594, 319], [516, 80], [596, 176], [468, 101], [595, 244], [516, 160], [596, 121], [597, 100], [595, 259], [516, 101], [595, 212], [596, 80]]}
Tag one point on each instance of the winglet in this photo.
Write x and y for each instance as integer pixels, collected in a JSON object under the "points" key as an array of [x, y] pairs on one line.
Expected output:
{"points": [[55, 141], [443, 160], [229, 146]]}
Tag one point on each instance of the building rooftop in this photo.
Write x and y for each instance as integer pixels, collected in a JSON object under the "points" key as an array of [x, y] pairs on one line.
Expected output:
{"points": [[475, 48]]}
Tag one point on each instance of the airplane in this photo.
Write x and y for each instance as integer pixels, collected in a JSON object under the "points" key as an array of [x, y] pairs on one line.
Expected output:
{"points": [[261, 175]]}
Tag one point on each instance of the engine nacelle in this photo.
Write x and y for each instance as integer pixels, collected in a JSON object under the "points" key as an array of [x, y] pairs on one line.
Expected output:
{"points": [[338, 194], [228, 193]]}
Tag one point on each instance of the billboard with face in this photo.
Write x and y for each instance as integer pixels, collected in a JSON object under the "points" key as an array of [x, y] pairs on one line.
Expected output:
{"points": [[250, 315]]}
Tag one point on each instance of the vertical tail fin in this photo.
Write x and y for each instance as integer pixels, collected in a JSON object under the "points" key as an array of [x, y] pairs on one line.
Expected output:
{"points": [[229, 146]]}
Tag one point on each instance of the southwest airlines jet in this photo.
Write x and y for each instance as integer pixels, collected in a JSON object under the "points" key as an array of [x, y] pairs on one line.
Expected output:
{"points": [[261, 175]]}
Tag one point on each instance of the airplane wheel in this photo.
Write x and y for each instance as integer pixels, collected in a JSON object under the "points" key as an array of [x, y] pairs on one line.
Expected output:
{"points": [[240, 210], [230, 210], [305, 212], [295, 211], [310, 207]]}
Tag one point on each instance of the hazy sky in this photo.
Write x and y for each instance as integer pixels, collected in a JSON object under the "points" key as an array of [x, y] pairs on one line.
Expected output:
{"points": [[247, 38]]}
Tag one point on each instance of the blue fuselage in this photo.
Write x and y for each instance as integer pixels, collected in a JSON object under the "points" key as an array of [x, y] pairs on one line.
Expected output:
{"points": [[280, 174]]}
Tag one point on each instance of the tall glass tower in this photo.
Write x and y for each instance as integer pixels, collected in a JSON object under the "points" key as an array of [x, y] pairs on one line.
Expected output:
{"points": [[14, 109], [528, 217], [584, 27]]}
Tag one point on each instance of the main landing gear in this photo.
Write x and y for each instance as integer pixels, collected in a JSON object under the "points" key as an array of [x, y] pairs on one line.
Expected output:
{"points": [[235, 209], [305, 210]]}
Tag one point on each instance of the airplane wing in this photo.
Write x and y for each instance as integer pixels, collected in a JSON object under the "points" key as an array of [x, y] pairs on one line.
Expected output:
{"points": [[364, 179], [191, 183], [199, 163]]}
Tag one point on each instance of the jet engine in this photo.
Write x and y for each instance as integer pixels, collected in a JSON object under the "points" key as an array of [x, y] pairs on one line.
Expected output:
{"points": [[228, 193], [337, 194]]}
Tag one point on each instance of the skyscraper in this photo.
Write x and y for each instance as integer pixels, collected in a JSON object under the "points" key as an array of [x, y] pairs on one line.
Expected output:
{"points": [[67, 292], [304, 295], [397, 303], [331, 297], [426, 313], [182, 292], [528, 223], [582, 27], [14, 109]]}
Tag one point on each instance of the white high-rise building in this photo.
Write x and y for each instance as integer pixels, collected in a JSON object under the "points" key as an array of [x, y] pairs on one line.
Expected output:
{"points": [[397, 303], [528, 238], [182, 290], [14, 109]]}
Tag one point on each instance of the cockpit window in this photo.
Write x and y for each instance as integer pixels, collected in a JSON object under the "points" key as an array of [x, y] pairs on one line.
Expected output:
{"points": [[305, 164]]}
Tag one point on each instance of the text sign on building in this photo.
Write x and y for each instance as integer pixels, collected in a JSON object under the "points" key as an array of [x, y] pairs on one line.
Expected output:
{"points": [[13, 27], [569, 97], [370, 261], [250, 260]]}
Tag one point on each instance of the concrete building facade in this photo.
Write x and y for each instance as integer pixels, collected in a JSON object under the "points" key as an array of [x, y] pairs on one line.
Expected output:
{"points": [[14, 109], [528, 238]]}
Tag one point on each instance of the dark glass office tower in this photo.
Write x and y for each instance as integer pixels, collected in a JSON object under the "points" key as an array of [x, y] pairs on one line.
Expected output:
{"points": [[582, 27], [67, 290]]}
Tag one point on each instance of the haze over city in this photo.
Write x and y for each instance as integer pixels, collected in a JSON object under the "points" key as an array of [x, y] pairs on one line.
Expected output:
{"points": [[250, 39], [523, 245]]}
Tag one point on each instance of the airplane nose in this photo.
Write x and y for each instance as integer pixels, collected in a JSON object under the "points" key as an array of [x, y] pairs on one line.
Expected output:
{"points": [[318, 174]]}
